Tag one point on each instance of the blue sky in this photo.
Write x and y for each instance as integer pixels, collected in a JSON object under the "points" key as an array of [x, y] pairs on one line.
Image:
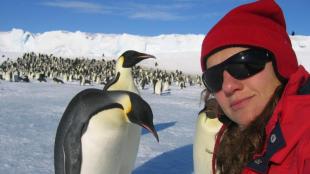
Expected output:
{"points": [[140, 17]]}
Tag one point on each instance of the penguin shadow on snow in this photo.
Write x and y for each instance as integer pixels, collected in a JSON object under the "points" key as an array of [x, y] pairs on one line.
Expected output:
{"points": [[178, 160], [160, 127], [164, 93]]}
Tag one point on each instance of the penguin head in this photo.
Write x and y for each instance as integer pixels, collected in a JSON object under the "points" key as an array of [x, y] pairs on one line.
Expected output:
{"points": [[141, 114], [130, 58]]}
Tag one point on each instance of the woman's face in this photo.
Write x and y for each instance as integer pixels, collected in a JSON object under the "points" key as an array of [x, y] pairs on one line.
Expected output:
{"points": [[243, 100]]}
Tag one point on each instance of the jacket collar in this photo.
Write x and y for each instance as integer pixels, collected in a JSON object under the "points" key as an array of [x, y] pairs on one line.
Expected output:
{"points": [[296, 80], [280, 138]]}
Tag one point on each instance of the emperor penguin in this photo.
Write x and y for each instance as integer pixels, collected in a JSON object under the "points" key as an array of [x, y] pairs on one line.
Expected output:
{"points": [[166, 86], [92, 133], [205, 135], [8, 76], [158, 87], [124, 81]]}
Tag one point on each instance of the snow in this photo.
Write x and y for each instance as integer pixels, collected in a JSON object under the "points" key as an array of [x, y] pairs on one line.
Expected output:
{"points": [[30, 112], [174, 47]]}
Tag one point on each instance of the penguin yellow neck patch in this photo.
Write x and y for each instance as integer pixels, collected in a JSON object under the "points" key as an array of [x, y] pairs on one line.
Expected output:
{"points": [[126, 103], [119, 63]]}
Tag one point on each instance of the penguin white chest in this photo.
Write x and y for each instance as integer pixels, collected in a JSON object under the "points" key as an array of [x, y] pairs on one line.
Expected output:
{"points": [[103, 141], [131, 149], [158, 87], [206, 130]]}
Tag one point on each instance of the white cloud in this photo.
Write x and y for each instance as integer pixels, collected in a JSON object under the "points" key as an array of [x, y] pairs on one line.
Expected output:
{"points": [[78, 5], [165, 12], [150, 11], [156, 15]]}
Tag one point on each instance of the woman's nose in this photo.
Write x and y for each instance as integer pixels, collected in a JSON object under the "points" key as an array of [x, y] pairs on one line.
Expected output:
{"points": [[230, 84]]}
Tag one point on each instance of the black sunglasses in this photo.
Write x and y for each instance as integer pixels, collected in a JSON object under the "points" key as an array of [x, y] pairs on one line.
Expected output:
{"points": [[241, 66]]}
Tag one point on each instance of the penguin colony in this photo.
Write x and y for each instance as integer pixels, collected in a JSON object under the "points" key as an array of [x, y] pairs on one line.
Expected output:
{"points": [[100, 129], [43, 67]]}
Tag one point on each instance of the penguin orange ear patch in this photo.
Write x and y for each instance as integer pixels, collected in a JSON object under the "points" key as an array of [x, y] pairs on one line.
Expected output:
{"points": [[127, 110], [126, 103]]}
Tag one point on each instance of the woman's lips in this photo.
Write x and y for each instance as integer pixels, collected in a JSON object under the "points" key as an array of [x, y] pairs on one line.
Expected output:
{"points": [[238, 104]]}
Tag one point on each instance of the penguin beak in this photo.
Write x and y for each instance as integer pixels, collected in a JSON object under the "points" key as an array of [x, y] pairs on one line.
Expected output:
{"points": [[146, 121], [141, 114], [145, 56], [151, 129], [134, 59]]}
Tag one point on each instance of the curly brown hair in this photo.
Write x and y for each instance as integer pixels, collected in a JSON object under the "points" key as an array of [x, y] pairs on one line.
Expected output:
{"points": [[237, 146]]}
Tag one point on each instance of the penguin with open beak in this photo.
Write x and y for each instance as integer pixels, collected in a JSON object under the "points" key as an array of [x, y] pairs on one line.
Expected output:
{"points": [[92, 134]]}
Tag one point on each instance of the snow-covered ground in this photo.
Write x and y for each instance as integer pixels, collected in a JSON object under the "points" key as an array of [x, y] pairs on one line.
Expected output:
{"points": [[30, 113]]}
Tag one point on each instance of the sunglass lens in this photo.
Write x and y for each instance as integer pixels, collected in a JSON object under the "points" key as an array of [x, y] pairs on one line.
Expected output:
{"points": [[213, 79], [244, 70]]}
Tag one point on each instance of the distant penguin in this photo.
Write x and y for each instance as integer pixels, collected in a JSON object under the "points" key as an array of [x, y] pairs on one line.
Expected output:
{"points": [[124, 81], [36, 75], [58, 80], [87, 82], [158, 87], [206, 129], [82, 80], [98, 80], [15, 76], [293, 33], [70, 77], [182, 84], [143, 83], [8, 76], [92, 134], [166, 86], [124, 78], [65, 77], [154, 81], [25, 79], [42, 78]]}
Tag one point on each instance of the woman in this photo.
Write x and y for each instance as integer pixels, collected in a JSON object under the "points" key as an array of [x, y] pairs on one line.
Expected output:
{"points": [[250, 67]]}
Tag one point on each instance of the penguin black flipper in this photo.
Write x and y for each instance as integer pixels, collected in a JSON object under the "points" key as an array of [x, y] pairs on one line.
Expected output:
{"points": [[67, 152], [111, 82]]}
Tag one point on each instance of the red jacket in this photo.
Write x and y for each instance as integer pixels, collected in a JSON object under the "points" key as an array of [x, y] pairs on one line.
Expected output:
{"points": [[287, 146]]}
